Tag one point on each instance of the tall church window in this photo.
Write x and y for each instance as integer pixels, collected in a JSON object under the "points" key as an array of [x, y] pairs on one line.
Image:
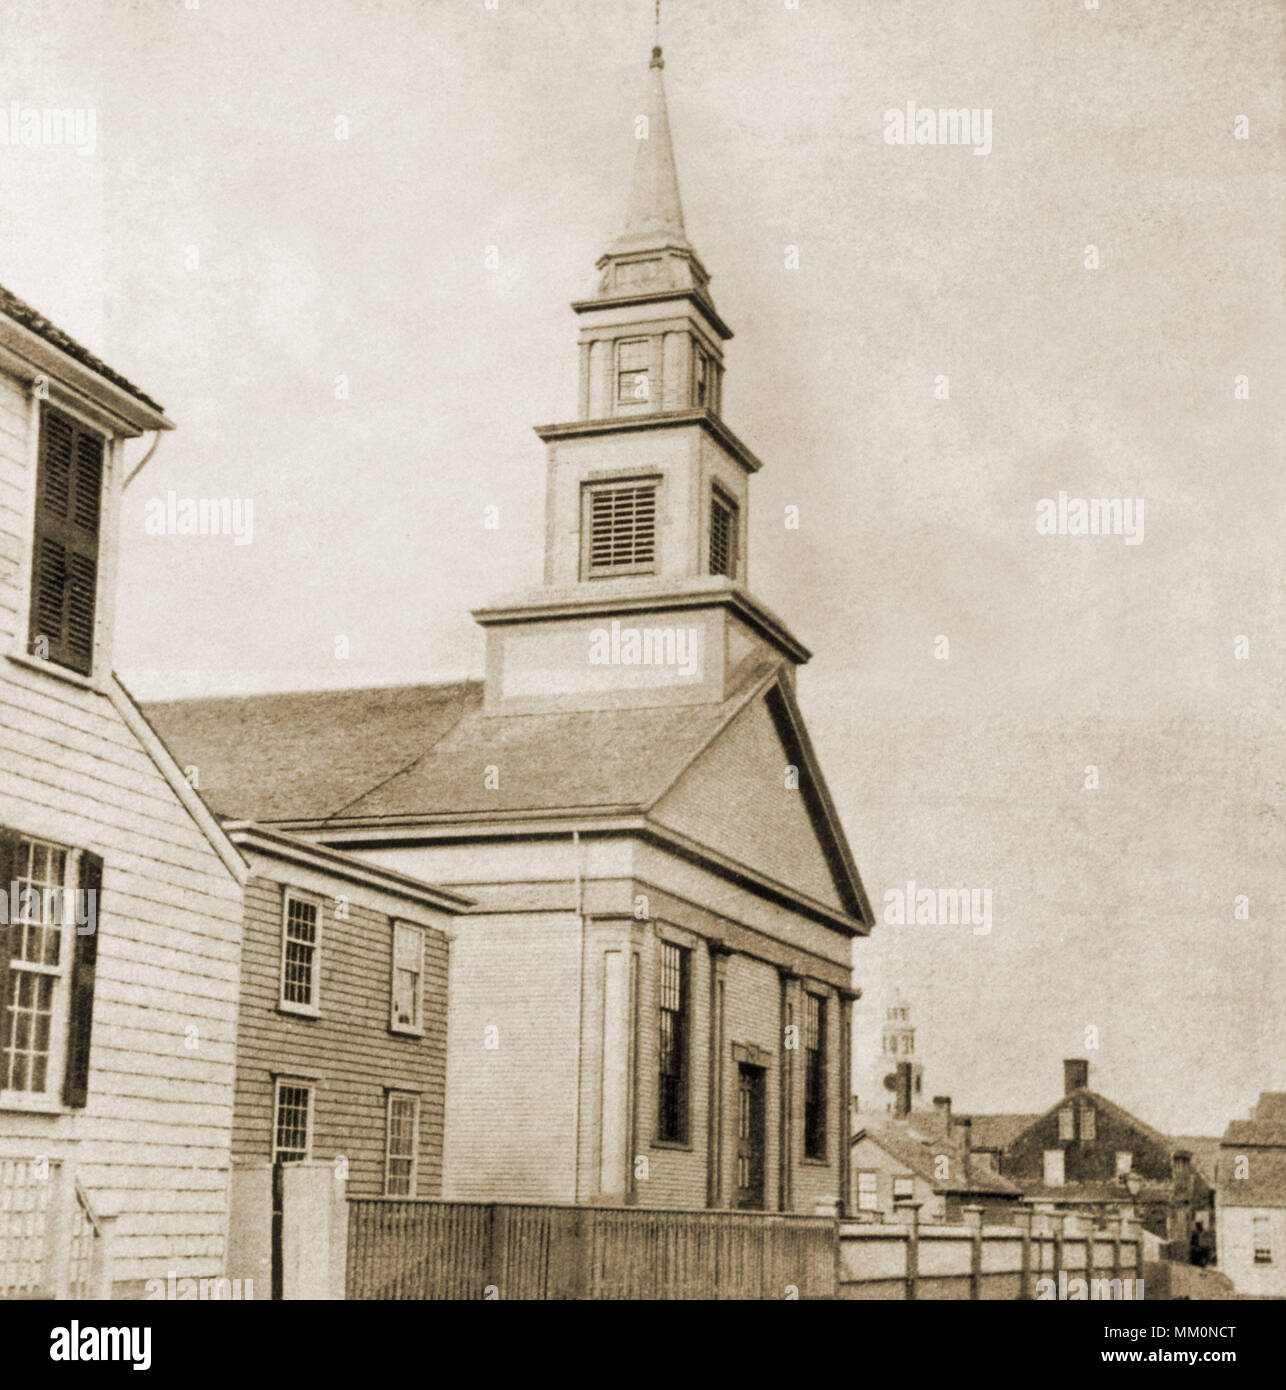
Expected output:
{"points": [[814, 1077], [620, 526], [723, 534], [672, 1071]]}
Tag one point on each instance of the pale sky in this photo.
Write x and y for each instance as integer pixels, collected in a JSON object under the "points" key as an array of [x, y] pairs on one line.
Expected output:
{"points": [[470, 128]]}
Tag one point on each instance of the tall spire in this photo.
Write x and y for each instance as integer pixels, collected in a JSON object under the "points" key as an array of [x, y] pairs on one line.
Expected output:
{"points": [[655, 215]]}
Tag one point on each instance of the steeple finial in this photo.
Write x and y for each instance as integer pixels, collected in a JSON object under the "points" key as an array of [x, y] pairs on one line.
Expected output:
{"points": [[655, 214]]}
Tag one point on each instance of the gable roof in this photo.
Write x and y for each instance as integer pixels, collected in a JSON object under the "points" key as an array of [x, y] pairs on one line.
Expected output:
{"points": [[22, 313], [967, 1176], [1261, 1180], [418, 755], [985, 1131], [1110, 1106]]}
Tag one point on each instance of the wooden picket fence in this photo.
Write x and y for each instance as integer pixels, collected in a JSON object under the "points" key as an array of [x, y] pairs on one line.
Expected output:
{"points": [[430, 1250], [52, 1243]]}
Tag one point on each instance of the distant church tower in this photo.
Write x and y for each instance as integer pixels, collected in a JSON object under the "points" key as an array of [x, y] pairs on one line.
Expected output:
{"points": [[897, 1044], [647, 489]]}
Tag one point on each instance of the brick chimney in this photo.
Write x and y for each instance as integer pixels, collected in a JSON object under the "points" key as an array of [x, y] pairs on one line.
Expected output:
{"points": [[962, 1132], [1181, 1170], [1076, 1074], [902, 1092], [942, 1105]]}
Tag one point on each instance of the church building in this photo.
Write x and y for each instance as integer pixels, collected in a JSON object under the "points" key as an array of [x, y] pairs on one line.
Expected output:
{"points": [[650, 1001]]}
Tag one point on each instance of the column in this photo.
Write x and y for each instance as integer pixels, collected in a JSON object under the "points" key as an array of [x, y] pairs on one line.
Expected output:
{"points": [[719, 954], [614, 1125]]}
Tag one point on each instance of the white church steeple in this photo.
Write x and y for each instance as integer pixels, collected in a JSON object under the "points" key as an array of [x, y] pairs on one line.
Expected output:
{"points": [[647, 493]]}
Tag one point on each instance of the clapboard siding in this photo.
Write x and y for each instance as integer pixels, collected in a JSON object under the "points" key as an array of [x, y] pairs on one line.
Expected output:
{"points": [[153, 1142], [349, 1052]]}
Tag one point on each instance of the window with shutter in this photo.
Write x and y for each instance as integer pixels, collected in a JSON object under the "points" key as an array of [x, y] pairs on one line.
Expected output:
{"points": [[47, 968], [723, 534], [621, 529], [64, 588]]}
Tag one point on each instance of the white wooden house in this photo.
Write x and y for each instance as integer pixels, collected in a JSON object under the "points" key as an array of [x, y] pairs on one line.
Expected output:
{"points": [[117, 1012]]}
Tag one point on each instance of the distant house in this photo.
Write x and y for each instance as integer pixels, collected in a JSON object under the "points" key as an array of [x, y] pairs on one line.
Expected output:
{"points": [[895, 1164], [120, 935], [1250, 1199], [1088, 1156]]}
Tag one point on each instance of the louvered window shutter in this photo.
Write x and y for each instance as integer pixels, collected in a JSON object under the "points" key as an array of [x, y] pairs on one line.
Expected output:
{"points": [[80, 1004], [64, 590], [8, 872], [622, 529]]}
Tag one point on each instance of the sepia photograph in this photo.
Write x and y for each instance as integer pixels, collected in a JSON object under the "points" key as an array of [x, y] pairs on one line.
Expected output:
{"points": [[641, 659]]}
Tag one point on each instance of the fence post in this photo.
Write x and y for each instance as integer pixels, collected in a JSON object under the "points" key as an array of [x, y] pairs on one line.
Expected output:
{"points": [[913, 1251], [1024, 1225], [1116, 1249], [973, 1219], [314, 1233], [58, 1219], [100, 1259]]}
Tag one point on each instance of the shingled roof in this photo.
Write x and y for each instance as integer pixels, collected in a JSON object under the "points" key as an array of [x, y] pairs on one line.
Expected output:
{"points": [[421, 750], [37, 323], [1252, 1157], [968, 1175]]}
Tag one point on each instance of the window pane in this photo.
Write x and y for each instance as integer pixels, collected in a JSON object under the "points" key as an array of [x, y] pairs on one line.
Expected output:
{"points": [[814, 1076], [403, 1118], [672, 1069], [35, 966], [408, 971], [300, 952], [291, 1129]]}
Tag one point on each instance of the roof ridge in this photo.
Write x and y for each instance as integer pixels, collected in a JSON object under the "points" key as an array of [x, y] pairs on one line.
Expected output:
{"points": [[314, 691], [419, 758]]}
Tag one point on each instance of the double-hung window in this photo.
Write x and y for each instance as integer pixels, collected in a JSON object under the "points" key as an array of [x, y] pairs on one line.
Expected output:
{"points": [[1263, 1240], [814, 1076], [633, 369], [64, 570], [301, 954], [1066, 1123], [292, 1127], [1089, 1124], [903, 1189], [48, 955], [868, 1191], [672, 1069], [402, 1145], [407, 1014]]}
